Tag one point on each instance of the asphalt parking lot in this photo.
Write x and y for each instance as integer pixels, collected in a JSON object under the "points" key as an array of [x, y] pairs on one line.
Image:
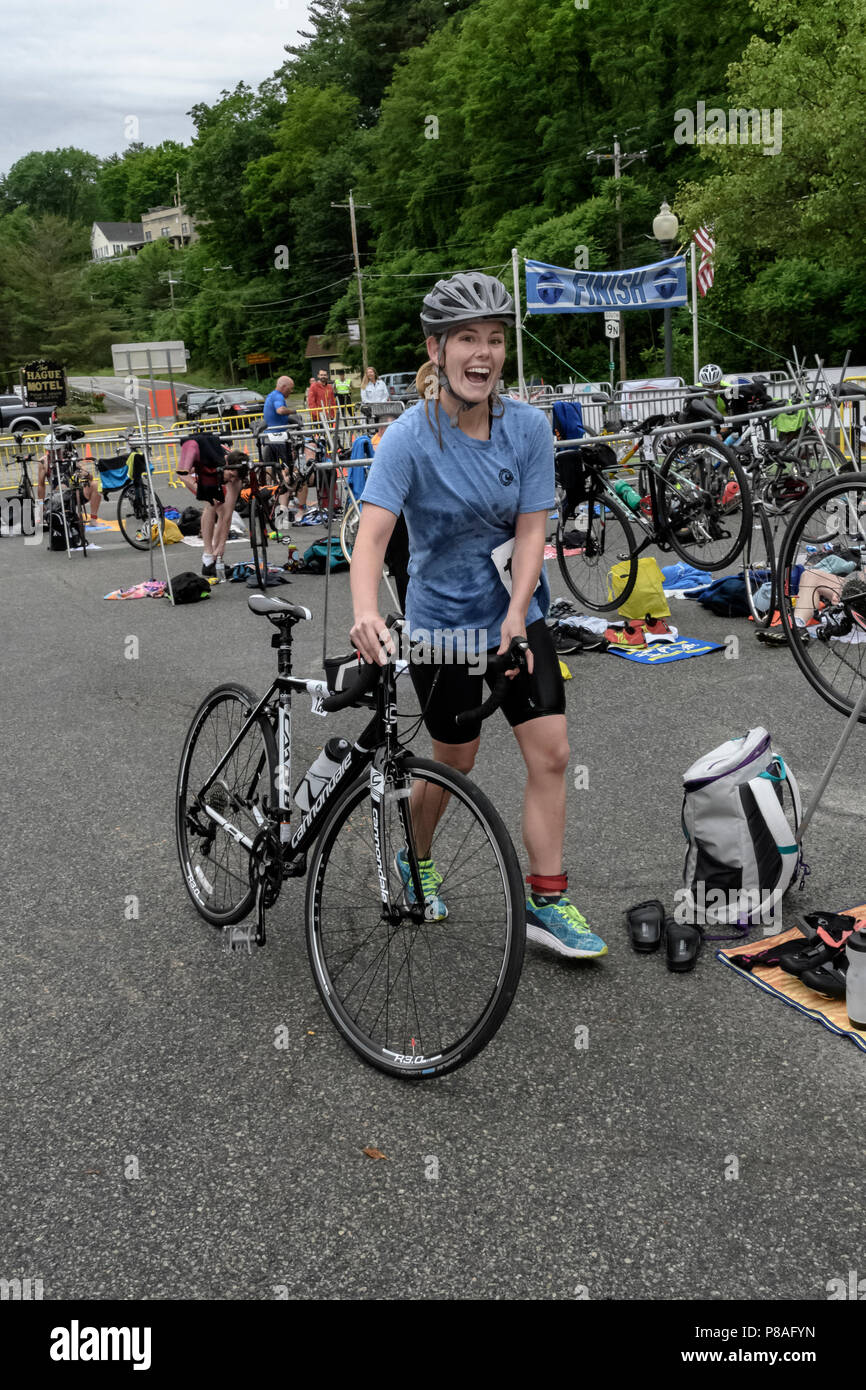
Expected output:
{"points": [[158, 1145]]}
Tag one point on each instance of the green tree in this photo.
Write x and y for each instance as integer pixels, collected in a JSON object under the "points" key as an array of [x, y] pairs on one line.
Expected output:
{"points": [[59, 182], [46, 306]]}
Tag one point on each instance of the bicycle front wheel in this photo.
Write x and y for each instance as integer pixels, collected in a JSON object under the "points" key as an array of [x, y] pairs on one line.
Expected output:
{"points": [[138, 517], [418, 992], [587, 546], [217, 821], [705, 505], [259, 541]]}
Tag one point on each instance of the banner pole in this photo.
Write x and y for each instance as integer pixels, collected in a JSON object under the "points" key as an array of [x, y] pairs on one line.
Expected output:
{"points": [[518, 323], [695, 357]]}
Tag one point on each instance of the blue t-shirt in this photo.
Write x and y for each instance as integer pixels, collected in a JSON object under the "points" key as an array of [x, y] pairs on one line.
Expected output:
{"points": [[276, 400], [461, 502]]}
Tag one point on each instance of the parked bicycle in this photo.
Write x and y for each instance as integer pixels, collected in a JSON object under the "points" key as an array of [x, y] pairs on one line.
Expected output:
{"points": [[416, 965], [692, 497]]}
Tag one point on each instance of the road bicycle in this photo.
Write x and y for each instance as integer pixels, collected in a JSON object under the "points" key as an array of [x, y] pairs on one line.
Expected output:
{"points": [[140, 512], [25, 492], [825, 618], [414, 911], [20, 513], [692, 497]]}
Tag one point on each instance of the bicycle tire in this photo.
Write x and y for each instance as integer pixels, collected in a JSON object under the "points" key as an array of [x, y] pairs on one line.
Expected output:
{"points": [[705, 512], [347, 937], [76, 520], [209, 879], [349, 530], [812, 453], [610, 539], [259, 542], [136, 517], [759, 557], [835, 667]]}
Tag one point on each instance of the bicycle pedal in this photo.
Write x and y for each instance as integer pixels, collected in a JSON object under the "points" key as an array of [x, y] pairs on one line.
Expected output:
{"points": [[236, 938]]}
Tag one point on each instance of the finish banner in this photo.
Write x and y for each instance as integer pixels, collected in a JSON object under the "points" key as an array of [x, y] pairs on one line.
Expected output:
{"points": [[552, 290]]}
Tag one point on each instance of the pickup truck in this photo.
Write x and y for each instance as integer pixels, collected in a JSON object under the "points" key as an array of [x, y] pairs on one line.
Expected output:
{"points": [[25, 419]]}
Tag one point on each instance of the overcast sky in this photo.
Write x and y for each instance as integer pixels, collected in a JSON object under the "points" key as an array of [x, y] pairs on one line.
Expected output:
{"points": [[74, 70]]}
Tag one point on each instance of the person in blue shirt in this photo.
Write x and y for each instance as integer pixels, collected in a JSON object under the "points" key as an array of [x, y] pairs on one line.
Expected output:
{"points": [[474, 477], [278, 416]]}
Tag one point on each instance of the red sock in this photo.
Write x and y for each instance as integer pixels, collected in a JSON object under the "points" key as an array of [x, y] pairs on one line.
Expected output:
{"points": [[547, 885]]}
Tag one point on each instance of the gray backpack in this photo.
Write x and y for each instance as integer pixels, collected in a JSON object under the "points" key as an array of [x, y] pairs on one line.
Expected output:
{"points": [[742, 847]]}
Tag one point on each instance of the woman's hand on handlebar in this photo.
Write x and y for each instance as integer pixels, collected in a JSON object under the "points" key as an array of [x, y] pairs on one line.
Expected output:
{"points": [[372, 638], [514, 626]]}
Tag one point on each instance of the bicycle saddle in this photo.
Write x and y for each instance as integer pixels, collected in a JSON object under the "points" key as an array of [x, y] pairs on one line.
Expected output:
{"points": [[278, 610]]}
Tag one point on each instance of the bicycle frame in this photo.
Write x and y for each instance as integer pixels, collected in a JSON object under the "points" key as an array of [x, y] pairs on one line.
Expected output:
{"points": [[376, 747]]}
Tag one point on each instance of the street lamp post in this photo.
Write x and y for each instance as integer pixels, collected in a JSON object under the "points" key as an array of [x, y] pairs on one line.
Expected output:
{"points": [[665, 227]]}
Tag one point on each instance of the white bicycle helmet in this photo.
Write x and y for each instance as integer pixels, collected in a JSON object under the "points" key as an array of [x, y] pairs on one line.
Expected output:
{"points": [[710, 375]]}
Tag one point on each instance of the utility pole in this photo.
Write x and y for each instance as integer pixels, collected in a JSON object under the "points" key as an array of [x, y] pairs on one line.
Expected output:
{"points": [[620, 161], [351, 205]]}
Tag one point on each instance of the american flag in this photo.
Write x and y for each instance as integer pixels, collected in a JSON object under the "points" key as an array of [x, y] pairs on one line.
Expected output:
{"points": [[704, 239]]}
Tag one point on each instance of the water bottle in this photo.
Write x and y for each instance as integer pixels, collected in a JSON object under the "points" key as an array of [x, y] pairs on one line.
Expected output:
{"points": [[220, 569], [320, 773], [627, 494], [855, 988]]}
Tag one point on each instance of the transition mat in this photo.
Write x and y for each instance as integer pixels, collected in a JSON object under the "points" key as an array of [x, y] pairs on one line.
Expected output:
{"points": [[776, 981], [659, 652]]}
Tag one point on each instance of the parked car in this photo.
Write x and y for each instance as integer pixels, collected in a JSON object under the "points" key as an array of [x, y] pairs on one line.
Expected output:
{"points": [[232, 405], [19, 418], [189, 401], [401, 386]]}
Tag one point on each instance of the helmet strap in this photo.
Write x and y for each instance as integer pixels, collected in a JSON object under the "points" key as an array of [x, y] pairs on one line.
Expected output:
{"points": [[444, 382]]}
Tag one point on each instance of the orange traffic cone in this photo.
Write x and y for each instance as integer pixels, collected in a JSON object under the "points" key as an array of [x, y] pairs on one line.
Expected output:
{"points": [[87, 453]]}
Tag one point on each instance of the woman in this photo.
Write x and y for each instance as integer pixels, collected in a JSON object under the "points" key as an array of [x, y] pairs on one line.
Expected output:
{"points": [[373, 390], [213, 473], [473, 473]]}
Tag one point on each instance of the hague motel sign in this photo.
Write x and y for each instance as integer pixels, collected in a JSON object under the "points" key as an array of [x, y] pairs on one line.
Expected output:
{"points": [[44, 382]]}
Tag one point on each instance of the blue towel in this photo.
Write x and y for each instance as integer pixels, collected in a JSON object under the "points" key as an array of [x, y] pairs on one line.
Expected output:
{"points": [[683, 576]]}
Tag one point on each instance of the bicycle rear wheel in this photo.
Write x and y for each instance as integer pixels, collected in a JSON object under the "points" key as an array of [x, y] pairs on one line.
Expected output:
{"points": [[704, 502], [826, 626], [259, 541], [138, 517], [420, 993], [607, 540], [215, 853], [759, 572]]}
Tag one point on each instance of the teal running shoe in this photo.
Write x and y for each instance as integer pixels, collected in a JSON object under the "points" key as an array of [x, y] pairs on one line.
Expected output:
{"points": [[434, 907], [563, 929]]}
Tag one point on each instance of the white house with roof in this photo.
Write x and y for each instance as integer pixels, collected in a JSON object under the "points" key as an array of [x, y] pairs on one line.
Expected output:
{"points": [[110, 239]]}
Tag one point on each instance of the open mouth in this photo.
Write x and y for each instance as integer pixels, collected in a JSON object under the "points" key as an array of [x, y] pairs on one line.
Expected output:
{"points": [[479, 376]]}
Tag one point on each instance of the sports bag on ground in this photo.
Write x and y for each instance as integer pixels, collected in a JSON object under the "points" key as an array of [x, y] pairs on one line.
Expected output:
{"points": [[316, 556], [189, 588], [647, 598], [742, 849], [54, 525]]}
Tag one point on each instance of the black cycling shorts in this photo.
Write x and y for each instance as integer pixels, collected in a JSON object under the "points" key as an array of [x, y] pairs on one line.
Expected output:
{"points": [[458, 688], [210, 492]]}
